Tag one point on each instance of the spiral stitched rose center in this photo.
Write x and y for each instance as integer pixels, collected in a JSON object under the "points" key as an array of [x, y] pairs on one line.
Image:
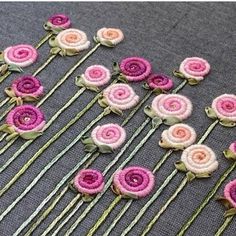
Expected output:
{"points": [[72, 38], [200, 157], [197, 66], [109, 34], [172, 105], [228, 106], [95, 73]]}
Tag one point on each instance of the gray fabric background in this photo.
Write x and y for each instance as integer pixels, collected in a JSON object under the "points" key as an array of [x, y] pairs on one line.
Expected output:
{"points": [[165, 34]]}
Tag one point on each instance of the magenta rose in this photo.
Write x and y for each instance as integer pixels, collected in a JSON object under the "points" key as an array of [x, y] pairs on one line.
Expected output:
{"points": [[59, 21], [230, 193], [160, 81]]}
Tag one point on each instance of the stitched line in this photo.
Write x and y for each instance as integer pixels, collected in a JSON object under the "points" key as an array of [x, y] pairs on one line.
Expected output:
{"points": [[224, 226]]}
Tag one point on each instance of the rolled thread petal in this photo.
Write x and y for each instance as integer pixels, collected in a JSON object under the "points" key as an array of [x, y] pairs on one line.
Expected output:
{"points": [[160, 81], [60, 21], [230, 192], [114, 36]]}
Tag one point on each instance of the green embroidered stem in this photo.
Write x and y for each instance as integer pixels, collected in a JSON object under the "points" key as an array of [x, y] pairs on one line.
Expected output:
{"points": [[45, 64], [50, 141], [6, 111], [148, 204], [132, 113], [207, 132], [58, 186], [224, 226], [157, 216], [54, 203], [30, 161], [206, 200], [181, 86], [104, 215], [118, 217], [162, 160], [3, 102], [3, 136], [3, 77], [43, 40]]}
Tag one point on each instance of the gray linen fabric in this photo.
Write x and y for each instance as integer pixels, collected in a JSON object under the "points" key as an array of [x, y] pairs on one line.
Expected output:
{"points": [[165, 34]]}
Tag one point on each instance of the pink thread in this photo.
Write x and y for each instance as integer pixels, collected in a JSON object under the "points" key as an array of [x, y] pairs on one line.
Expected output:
{"points": [[26, 118], [111, 135], [121, 96], [60, 21], [89, 181], [135, 68], [27, 85], [72, 39], [225, 106], [114, 36], [135, 181], [21, 55], [230, 192], [194, 67], [160, 81], [232, 147], [96, 75], [178, 135], [172, 105], [199, 159]]}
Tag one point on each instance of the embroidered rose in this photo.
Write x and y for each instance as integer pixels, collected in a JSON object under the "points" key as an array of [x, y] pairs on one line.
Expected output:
{"points": [[96, 75], [224, 107], [89, 182], [134, 182], [160, 81], [194, 68], [172, 105], [21, 55], [230, 193], [26, 120], [135, 68], [232, 147], [199, 159], [70, 41], [120, 96], [109, 36], [59, 21], [27, 88], [178, 136]]}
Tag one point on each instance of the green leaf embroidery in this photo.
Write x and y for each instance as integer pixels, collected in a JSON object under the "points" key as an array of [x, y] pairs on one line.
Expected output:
{"points": [[95, 39], [149, 111], [190, 176], [130, 195], [87, 141], [178, 74], [30, 98], [70, 52], [2, 57], [105, 149], [227, 123], [116, 67], [116, 111], [146, 86], [55, 50], [3, 69], [31, 135], [107, 111], [72, 188], [11, 136], [210, 113], [52, 42], [122, 78], [180, 166], [230, 212], [87, 198], [93, 88], [224, 201], [203, 175], [229, 154], [192, 81], [107, 43], [90, 147], [7, 129], [156, 122], [171, 120], [158, 91], [10, 92], [14, 68]]}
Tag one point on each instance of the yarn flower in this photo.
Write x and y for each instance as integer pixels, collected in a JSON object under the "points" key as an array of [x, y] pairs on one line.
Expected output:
{"points": [[105, 138], [133, 182], [69, 42], [94, 76], [178, 136], [229, 198], [200, 160], [119, 97], [223, 108], [132, 69], [16, 57], [25, 88], [57, 23], [193, 69], [171, 108], [26, 120], [89, 182], [159, 81], [230, 153], [109, 36]]}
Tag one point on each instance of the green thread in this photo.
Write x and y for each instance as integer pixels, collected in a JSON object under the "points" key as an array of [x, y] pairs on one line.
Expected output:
{"points": [[104, 215], [43, 40], [181, 86], [156, 217], [3, 77], [50, 141], [30, 161], [58, 186], [3, 102], [162, 160], [206, 200], [3, 136], [224, 226], [53, 204]]}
